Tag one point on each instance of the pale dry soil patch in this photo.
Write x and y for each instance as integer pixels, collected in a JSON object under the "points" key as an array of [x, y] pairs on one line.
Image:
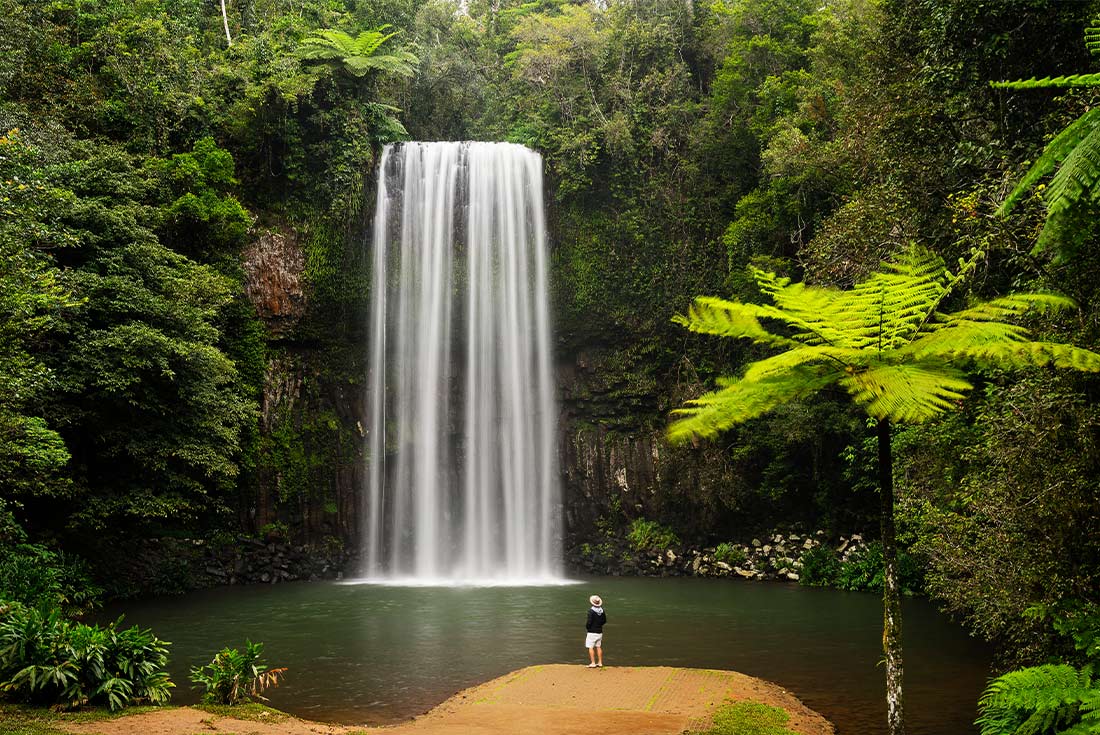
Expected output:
{"points": [[555, 699]]}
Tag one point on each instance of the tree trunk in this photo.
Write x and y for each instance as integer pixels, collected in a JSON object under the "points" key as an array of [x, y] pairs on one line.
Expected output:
{"points": [[225, 20], [891, 596]]}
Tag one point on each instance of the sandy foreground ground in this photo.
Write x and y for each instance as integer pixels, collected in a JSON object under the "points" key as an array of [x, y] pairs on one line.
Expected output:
{"points": [[555, 699]]}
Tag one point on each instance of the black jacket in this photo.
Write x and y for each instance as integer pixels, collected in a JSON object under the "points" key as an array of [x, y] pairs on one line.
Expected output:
{"points": [[596, 621]]}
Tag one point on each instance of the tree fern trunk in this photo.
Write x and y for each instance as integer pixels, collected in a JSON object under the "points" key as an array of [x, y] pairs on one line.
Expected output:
{"points": [[891, 595]]}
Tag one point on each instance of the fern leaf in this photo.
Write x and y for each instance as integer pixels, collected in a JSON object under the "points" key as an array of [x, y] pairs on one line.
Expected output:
{"points": [[836, 358], [1073, 80], [1092, 37], [1076, 178], [730, 319], [912, 392], [1012, 306], [741, 400], [1055, 152]]}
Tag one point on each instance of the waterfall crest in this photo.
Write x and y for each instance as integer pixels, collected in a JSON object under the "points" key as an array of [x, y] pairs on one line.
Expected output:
{"points": [[462, 479]]}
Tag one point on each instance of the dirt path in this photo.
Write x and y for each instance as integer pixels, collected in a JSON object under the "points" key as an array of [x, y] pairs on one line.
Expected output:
{"points": [[556, 699]]}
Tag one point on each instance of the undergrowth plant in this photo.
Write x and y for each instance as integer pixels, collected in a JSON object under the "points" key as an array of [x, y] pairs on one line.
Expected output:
{"points": [[729, 553], [234, 677], [47, 659], [645, 535], [1051, 699]]}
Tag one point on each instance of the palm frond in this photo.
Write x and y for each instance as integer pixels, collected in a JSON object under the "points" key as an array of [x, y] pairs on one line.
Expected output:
{"points": [[1056, 151], [738, 401], [907, 392]]}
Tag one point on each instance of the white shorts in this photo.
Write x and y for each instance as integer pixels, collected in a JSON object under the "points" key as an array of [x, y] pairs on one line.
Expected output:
{"points": [[593, 640]]}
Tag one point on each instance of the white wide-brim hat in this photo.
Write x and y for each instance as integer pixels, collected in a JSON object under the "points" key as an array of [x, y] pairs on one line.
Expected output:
{"points": [[595, 600]]}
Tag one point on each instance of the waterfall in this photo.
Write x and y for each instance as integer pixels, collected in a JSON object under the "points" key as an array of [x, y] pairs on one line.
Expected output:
{"points": [[462, 479]]}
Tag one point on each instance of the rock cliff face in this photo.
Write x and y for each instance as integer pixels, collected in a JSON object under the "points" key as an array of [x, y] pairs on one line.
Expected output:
{"points": [[305, 484], [308, 471], [274, 265]]}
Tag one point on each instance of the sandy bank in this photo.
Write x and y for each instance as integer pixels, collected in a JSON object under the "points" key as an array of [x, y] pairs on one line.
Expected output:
{"points": [[555, 699]]}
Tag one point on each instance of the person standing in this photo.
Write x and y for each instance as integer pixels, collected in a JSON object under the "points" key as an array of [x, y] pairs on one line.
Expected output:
{"points": [[597, 618]]}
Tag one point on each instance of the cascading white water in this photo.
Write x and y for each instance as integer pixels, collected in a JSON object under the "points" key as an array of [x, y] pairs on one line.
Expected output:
{"points": [[462, 480]]}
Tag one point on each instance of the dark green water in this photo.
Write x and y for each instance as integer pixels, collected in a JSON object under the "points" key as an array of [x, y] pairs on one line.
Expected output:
{"points": [[372, 654]]}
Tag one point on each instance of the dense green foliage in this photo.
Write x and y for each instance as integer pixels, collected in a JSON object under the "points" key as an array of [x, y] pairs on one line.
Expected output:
{"points": [[235, 677], [135, 147], [47, 659], [862, 572], [684, 143], [646, 535]]}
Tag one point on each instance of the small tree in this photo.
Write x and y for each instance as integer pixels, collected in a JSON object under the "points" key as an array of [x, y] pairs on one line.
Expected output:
{"points": [[887, 344]]}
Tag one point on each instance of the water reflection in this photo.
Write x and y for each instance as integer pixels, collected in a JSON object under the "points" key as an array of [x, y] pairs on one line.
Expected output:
{"points": [[377, 654]]}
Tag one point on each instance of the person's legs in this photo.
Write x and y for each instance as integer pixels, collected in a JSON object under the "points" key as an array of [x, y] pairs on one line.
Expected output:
{"points": [[592, 655], [599, 649]]}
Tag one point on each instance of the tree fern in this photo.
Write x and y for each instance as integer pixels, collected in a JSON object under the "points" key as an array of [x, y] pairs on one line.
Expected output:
{"points": [[899, 356], [357, 55]]}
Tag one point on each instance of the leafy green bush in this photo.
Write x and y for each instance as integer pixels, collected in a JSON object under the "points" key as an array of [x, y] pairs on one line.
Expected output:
{"points": [[46, 659], [862, 572], [234, 677], [820, 567], [731, 554], [34, 575], [650, 536]]}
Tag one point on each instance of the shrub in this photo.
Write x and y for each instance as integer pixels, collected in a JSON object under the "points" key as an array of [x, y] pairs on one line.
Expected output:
{"points": [[731, 554], [46, 659], [862, 572], [650, 536], [36, 576], [234, 677], [820, 567]]}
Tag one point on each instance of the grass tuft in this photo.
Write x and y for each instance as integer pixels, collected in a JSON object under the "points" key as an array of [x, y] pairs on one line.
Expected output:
{"points": [[748, 718]]}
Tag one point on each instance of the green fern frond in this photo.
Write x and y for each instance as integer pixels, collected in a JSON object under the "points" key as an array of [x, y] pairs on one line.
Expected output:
{"points": [[1076, 178], [912, 393], [1092, 37], [1073, 80], [834, 358], [963, 339], [1012, 306], [741, 400], [730, 319], [1033, 700], [1055, 152]]}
